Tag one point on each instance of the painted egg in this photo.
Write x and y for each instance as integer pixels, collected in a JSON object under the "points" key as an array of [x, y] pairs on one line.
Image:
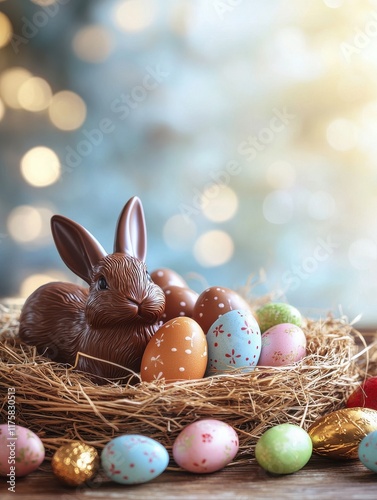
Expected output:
{"points": [[282, 345], [365, 395], [368, 451], [179, 301], [283, 449], [133, 459], [167, 277], [275, 313], [205, 446], [21, 451], [177, 351], [214, 302], [338, 434], [234, 341]]}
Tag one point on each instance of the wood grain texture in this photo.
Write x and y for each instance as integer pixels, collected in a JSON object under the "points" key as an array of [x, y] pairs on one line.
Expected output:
{"points": [[319, 479]]}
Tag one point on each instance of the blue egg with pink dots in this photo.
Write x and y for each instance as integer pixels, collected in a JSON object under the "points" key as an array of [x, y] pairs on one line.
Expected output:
{"points": [[133, 459], [368, 451], [234, 342]]}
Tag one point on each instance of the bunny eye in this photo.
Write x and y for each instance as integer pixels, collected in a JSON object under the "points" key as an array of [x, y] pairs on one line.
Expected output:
{"points": [[102, 284]]}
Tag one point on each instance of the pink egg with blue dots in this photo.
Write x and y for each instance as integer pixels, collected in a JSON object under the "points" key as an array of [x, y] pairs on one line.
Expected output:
{"points": [[234, 342], [205, 446], [133, 459]]}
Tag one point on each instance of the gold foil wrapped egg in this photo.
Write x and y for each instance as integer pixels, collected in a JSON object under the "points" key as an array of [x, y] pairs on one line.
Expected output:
{"points": [[75, 463], [338, 434]]}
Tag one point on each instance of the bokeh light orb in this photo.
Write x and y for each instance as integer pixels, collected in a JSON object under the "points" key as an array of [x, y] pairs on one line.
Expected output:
{"points": [[213, 248], [92, 43], [40, 166], [11, 81], [67, 111], [6, 30], [221, 207], [34, 94], [24, 223], [134, 15]]}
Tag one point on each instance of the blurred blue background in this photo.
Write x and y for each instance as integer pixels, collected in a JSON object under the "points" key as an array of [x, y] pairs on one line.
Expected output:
{"points": [[248, 130]]}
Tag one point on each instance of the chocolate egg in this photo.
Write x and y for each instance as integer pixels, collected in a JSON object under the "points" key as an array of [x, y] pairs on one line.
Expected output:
{"points": [[365, 395], [75, 463], [177, 351], [339, 433], [214, 302], [179, 301], [167, 277]]}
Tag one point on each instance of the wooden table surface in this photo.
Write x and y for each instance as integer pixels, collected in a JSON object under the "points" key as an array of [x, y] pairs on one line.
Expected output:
{"points": [[320, 479]]}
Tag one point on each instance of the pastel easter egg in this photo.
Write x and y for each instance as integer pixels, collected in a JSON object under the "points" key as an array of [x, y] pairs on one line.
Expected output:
{"points": [[282, 345], [213, 303], [179, 301], [365, 395], [205, 446], [234, 341], [338, 434], [164, 277], [283, 449], [367, 451], [177, 351], [275, 313], [21, 451], [133, 459]]}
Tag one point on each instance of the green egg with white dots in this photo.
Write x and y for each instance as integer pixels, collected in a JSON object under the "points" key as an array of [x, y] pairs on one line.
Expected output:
{"points": [[276, 313], [284, 449]]}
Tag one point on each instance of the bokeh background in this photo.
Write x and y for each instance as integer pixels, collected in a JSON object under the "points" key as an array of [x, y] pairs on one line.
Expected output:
{"points": [[247, 128]]}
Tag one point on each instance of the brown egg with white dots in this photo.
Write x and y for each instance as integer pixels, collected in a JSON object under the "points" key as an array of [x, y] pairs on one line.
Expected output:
{"points": [[177, 351], [214, 302], [164, 277], [179, 301]]}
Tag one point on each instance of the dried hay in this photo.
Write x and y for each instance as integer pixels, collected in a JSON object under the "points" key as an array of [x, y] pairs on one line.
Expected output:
{"points": [[61, 405]]}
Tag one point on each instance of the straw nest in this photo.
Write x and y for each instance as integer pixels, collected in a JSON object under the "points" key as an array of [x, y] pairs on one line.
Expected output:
{"points": [[61, 405]]}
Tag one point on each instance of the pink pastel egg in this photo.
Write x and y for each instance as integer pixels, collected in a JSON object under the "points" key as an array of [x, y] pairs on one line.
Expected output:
{"points": [[282, 345], [21, 451], [205, 446]]}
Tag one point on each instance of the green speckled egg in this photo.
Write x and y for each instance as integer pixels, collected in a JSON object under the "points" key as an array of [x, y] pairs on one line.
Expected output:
{"points": [[284, 449], [275, 313]]}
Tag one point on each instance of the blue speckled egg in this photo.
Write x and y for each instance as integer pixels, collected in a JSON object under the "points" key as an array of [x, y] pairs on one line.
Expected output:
{"points": [[133, 459], [234, 341], [368, 451]]}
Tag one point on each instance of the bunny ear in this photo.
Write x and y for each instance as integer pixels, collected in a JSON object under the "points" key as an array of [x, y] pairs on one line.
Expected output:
{"points": [[77, 247], [131, 234]]}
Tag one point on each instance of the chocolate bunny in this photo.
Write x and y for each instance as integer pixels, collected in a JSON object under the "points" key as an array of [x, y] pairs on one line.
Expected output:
{"points": [[114, 319]]}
